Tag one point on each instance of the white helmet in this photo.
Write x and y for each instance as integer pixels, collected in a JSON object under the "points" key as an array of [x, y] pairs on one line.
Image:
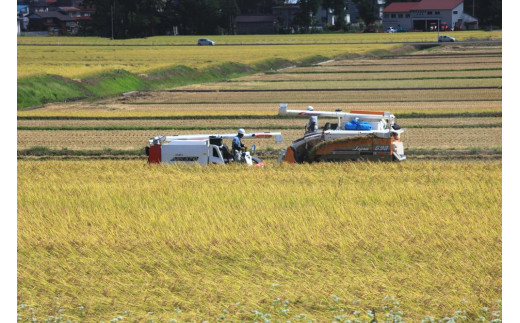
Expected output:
{"points": [[310, 108], [241, 131]]}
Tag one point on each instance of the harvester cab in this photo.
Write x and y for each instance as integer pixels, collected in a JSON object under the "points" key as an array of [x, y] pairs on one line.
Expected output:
{"points": [[203, 149], [357, 135]]}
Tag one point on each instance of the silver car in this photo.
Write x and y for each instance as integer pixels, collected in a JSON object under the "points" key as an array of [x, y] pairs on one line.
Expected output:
{"points": [[205, 41], [445, 38]]}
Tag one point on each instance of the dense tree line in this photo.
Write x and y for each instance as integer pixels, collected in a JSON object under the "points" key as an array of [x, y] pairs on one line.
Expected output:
{"points": [[143, 18]]}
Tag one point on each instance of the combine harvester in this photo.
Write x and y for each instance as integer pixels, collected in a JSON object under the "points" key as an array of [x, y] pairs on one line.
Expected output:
{"points": [[358, 135], [203, 149]]}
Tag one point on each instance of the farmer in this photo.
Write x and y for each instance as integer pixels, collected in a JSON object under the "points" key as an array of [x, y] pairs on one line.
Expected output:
{"points": [[312, 125], [237, 141]]}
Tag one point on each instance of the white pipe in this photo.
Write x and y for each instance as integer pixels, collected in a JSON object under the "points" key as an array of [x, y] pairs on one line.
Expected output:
{"points": [[260, 135]]}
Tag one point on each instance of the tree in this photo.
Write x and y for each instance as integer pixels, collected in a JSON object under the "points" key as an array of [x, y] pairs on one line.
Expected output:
{"points": [[308, 8], [339, 9], [228, 11], [488, 12], [126, 18], [367, 10]]}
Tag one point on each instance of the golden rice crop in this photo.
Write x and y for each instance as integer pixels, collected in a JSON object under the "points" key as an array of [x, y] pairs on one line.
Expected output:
{"points": [[261, 39], [99, 240], [77, 61]]}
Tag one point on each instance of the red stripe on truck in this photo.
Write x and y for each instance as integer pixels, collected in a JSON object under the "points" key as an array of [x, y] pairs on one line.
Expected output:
{"points": [[154, 156]]}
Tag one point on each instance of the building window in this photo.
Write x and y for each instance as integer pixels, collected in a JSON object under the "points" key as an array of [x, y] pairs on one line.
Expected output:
{"points": [[407, 15], [455, 12], [386, 15], [400, 15], [393, 15], [429, 13], [437, 12]]}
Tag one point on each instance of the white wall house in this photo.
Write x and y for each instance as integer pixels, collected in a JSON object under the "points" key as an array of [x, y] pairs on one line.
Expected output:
{"points": [[425, 15]]}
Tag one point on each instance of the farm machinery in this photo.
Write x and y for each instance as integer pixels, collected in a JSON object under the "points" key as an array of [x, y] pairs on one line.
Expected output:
{"points": [[203, 149], [358, 135]]}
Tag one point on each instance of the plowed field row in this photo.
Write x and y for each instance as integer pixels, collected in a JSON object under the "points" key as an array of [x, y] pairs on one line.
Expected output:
{"points": [[247, 123], [414, 138], [413, 60], [323, 96], [394, 68], [368, 76], [465, 49], [354, 84], [236, 109]]}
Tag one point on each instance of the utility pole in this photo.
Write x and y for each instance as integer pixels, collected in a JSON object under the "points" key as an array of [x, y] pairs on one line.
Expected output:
{"points": [[112, 8], [438, 27], [473, 14]]}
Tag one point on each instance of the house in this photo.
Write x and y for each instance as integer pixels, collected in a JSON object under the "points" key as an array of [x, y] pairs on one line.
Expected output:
{"points": [[286, 14], [81, 15], [256, 25], [22, 20], [427, 15], [54, 22]]}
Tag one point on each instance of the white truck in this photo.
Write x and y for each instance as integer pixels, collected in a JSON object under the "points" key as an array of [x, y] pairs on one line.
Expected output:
{"points": [[203, 149]]}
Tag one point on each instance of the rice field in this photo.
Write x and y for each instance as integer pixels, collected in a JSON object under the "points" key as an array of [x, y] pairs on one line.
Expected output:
{"points": [[249, 122], [98, 240], [463, 138], [353, 84], [111, 240], [312, 77], [83, 61], [262, 39]]}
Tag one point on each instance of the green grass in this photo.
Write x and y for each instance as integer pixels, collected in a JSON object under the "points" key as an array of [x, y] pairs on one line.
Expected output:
{"points": [[38, 90]]}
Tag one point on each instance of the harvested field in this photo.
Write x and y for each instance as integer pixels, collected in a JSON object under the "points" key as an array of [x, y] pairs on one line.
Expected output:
{"points": [[322, 96], [418, 61], [109, 109], [462, 49], [135, 139], [392, 68], [354, 84], [246, 123], [367, 76]]}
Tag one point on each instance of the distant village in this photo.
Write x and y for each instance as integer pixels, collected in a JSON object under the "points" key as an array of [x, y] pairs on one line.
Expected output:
{"points": [[74, 17]]}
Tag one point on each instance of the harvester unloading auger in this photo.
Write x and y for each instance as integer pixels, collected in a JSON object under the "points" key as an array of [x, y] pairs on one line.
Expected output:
{"points": [[358, 135]]}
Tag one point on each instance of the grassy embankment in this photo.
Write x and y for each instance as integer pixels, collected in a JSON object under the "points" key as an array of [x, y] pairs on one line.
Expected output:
{"points": [[55, 73], [98, 240]]}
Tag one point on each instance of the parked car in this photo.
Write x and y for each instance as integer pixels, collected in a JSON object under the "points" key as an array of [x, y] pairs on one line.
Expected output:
{"points": [[445, 38], [391, 30], [205, 41]]}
